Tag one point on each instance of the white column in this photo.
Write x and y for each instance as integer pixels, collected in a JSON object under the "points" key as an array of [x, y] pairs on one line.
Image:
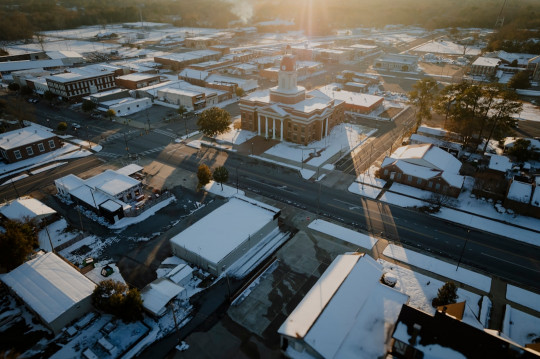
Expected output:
{"points": [[326, 134], [258, 124], [281, 132], [273, 128], [322, 128], [266, 127]]}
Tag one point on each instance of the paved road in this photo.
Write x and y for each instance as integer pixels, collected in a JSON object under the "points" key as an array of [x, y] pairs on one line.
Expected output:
{"points": [[514, 261], [44, 179]]}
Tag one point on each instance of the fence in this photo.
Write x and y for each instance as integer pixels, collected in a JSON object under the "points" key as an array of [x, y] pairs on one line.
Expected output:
{"points": [[134, 212]]}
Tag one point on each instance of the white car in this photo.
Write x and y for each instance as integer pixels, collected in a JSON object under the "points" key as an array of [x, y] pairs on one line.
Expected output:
{"points": [[75, 125]]}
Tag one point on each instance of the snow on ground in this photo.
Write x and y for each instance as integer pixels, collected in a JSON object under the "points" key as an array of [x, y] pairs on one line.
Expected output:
{"points": [[95, 245], [255, 283], [439, 267], [306, 174], [58, 235], [445, 47], [523, 297], [95, 274], [345, 234], [421, 289], [194, 144], [490, 226], [530, 112], [14, 179], [49, 167], [40, 160], [128, 221], [81, 47], [364, 190], [466, 203], [341, 140], [521, 327], [226, 191], [368, 177], [402, 201], [235, 136]]}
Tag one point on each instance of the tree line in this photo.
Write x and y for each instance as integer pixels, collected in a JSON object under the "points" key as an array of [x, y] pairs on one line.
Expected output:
{"points": [[475, 111]]}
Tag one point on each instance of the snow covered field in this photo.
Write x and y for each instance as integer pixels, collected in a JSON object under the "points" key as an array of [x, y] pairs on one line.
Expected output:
{"points": [[440, 267], [364, 190], [342, 139], [235, 136], [520, 327], [345, 234], [530, 112], [523, 297], [226, 191]]}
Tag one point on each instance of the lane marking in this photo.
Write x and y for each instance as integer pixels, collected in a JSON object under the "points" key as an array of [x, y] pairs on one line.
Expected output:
{"points": [[507, 261]]}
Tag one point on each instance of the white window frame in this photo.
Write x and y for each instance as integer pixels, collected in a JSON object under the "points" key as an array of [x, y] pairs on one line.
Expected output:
{"points": [[17, 154], [30, 151], [52, 144], [41, 148]]}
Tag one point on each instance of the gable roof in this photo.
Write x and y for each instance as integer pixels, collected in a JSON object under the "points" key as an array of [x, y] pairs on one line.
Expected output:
{"points": [[48, 285], [26, 208], [428, 155]]}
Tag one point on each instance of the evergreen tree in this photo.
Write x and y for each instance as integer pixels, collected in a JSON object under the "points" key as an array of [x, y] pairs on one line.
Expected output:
{"points": [[520, 80], [447, 294], [17, 242], [423, 97]]}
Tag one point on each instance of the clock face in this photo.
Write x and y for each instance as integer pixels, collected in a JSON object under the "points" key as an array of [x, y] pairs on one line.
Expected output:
{"points": [[283, 67]]}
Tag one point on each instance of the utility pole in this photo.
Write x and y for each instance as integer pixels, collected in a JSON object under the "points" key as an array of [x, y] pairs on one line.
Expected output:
{"points": [[15, 188], [125, 141], [236, 179]]}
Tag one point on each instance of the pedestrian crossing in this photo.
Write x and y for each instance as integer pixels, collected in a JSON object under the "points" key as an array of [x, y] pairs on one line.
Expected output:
{"points": [[152, 150], [165, 133], [116, 136], [108, 154]]}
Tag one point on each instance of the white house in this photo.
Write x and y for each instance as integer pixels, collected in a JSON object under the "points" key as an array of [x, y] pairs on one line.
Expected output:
{"points": [[52, 289], [27, 207]]}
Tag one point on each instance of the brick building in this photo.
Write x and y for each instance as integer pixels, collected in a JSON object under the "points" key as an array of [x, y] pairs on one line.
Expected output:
{"points": [[27, 142], [137, 80], [73, 86], [288, 112]]}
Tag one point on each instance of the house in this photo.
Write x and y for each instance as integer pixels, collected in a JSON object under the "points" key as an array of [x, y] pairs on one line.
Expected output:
{"points": [[397, 62], [523, 197], [424, 166], [27, 142], [220, 238], [26, 208], [499, 164], [418, 335], [137, 80], [73, 86], [106, 193], [485, 66], [451, 147], [52, 289], [158, 294], [348, 313], [288, 112], [181, 274]]}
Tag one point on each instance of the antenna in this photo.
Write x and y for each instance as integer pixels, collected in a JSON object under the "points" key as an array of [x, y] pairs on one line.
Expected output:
{"points": [[500, 19]]}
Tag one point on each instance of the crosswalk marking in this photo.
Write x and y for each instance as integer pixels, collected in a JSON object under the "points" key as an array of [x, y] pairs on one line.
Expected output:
{"points": [[117, 135], [108, 154], [153, 150], [165, 133]]}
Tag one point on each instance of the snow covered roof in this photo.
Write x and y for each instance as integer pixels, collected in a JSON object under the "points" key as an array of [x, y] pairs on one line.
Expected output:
{"points": [[486, 61], [245, 84], [349, 97], [111, 205], [510, 141], [24, 136], [10, 66], [194, 74], [69, 182], [137, 77], [499, 163], [112, 182], [433, 131], [178, 273], [520, 191], [428, 155], [77, 76], [347, 304], [129, 169], [48, 285], [157, 294], [535, 200], [26, 208], [186, 56], [416, 138], [219, 233]]}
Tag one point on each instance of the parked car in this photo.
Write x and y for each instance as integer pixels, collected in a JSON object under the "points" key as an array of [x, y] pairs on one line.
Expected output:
{"points": [[75, 125]]}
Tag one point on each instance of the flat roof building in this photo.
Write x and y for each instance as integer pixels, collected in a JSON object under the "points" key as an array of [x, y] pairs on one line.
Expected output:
{"points": [[220, 238], [27, 142]]}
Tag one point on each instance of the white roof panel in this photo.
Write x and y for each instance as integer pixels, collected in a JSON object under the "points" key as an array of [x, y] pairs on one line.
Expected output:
{"points": [[24, 136], [25, 207], [48, 285]]}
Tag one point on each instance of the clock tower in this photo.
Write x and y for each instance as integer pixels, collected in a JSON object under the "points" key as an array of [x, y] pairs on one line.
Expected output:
{"points": [[288, 90]]}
